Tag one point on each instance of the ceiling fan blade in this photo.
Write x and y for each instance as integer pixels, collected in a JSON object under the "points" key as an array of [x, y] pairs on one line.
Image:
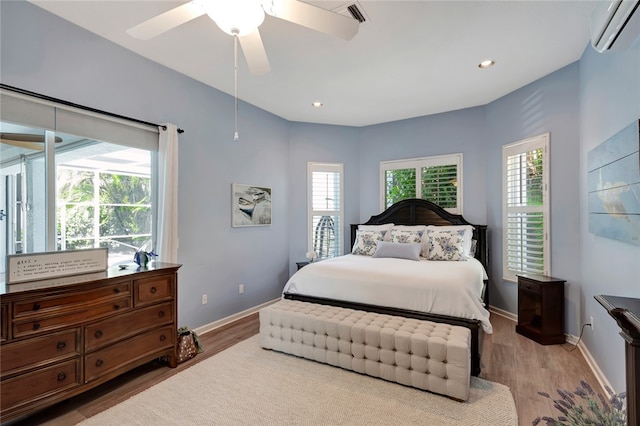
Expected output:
{"points": [[167, 21], [254, 53], [313, 17]]}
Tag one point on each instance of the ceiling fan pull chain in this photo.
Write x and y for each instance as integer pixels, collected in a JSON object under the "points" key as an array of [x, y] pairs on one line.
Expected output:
{"points": [[235, 73]]}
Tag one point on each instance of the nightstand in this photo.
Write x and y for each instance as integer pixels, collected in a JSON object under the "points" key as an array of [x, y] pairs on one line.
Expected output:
{"points": [[541, 308], [301, 265]]}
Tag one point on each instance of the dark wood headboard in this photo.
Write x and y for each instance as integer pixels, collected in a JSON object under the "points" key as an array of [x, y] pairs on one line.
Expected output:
{"points": [[415, 211]]}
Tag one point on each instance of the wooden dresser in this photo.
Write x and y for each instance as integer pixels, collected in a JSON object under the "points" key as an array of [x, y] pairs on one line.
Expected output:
{"points": [[63, 336]]}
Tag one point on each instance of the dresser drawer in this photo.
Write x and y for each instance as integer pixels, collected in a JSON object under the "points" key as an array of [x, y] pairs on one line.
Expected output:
{"points": [[42, 324], [528, 285], [117, 357], [67, 302], [113, 329], [154, 289], [27, 388], [39, 351], [4, 320]]}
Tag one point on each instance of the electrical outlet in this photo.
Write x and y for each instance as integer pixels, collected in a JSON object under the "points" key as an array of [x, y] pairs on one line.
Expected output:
{"points": [[591, 322], [240, 288], [204, 299]]}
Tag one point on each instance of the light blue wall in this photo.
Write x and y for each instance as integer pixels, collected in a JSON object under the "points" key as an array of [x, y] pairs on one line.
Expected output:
{"points": [[45, 54], [461, 131], [550, 104], [320, 144], [609, 102], [580, 105]]}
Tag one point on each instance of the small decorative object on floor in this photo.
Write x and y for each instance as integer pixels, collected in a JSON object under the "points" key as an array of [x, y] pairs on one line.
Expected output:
{"points": [[611, 413], [142, 257], [188, 344], [312, 256]]}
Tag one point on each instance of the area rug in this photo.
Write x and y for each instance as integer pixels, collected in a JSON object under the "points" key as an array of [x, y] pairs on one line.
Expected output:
{"points": [[247, 385]]}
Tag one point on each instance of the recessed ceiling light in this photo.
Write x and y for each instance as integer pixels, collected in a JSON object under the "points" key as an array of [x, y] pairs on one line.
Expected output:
{"points": [[316, 104], [487, 63]]}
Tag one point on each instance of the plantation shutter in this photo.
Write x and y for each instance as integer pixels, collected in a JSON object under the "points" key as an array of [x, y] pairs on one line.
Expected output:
{"points": [[437, 179], [325, 230], [525, 205], [439, 185]]}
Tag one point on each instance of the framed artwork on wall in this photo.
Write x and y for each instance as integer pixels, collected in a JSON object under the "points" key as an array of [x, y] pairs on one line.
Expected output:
{"points": [[614, 186], [250, 205]]}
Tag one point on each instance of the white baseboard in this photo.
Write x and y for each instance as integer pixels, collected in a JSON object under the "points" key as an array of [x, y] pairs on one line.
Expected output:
{"points": [[600, 377], [503, 313], [231, 318]]}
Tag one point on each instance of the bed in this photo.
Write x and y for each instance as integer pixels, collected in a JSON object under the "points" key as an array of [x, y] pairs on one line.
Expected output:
{"points": [[393, 280]]}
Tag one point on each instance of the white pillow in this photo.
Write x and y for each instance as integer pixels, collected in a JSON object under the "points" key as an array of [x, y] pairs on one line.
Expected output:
{"points": [[446, 245], [468, 235], [367, 241], [400, 233], [385, 227], [410, 251]]}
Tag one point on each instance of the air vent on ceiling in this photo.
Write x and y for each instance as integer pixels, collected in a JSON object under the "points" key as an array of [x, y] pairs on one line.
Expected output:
{"points": [[354, 10]]}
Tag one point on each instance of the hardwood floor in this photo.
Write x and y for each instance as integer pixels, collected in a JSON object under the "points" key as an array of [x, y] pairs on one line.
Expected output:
{"points": [[508, 358]]}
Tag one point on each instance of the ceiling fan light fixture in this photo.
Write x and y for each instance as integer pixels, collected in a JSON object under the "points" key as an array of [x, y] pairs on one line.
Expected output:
{"points": [[236, 17], [316, 104]]}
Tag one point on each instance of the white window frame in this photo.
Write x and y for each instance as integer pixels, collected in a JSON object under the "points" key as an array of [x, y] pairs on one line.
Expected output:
{"points": [[418, 164], [324, 167], [520, 147]]}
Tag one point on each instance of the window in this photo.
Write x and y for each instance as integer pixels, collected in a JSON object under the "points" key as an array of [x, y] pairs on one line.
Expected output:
{"points": [[63, 187], [437, 179], [525, 202], [325, 209]]}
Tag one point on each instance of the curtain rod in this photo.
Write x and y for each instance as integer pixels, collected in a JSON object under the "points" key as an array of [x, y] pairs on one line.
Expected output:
{"points": [[86, 108]]}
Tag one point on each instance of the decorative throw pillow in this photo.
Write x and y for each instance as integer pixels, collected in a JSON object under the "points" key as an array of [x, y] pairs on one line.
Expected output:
{"points": [[409, 251], [446, 245], [367, 241], [384, 227], [414, 228], [468, 234], [406, 236]]}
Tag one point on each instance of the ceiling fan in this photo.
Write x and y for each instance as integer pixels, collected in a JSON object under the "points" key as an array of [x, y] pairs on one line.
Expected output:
{"points": [[25, 140], [241, 19]]}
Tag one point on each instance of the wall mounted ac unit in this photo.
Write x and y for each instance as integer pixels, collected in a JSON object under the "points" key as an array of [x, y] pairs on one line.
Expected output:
{"points": [[615, 24]]}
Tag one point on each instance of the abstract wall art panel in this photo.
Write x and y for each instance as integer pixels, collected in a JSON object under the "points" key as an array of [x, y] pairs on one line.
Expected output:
{"points": [[614, 186]]}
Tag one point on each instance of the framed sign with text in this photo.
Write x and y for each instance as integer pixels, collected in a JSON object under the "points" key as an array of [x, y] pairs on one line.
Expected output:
{"points": [[52, 264]]}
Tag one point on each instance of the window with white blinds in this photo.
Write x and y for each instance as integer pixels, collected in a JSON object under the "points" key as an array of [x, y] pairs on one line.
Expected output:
{"points": [[325, 209], [526, 207], [437, 179]]}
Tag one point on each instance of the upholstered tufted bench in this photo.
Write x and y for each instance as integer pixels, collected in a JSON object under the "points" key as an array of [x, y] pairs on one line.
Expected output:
{"points": [[422, 354]]}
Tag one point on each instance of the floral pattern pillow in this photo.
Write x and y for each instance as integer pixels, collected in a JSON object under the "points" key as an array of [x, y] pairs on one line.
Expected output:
{"points": [[367, 241], [405, 236], [446, 245]]}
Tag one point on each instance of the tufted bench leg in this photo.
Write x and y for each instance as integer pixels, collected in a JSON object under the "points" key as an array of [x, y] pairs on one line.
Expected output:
{"points": [[422, 354]]}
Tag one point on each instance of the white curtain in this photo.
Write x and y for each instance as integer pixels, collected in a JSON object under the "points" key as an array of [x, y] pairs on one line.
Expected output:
{"points": [[167, 246]]}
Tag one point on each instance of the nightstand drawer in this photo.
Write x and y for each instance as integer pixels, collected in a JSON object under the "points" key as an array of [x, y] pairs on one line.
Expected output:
{"points": [[528, 285]]}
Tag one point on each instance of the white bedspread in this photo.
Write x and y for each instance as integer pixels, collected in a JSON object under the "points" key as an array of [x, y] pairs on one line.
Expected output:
{"points": [[439, 287]]}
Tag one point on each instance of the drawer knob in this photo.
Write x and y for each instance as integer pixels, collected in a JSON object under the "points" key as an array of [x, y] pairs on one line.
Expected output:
{"points": [[154, 290], [116, 290], [161, 314], [36, 306], [116, 307], [61, 345], [61, 377], [99, 363], [98, 334], [36, 325], [163, 338]]}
